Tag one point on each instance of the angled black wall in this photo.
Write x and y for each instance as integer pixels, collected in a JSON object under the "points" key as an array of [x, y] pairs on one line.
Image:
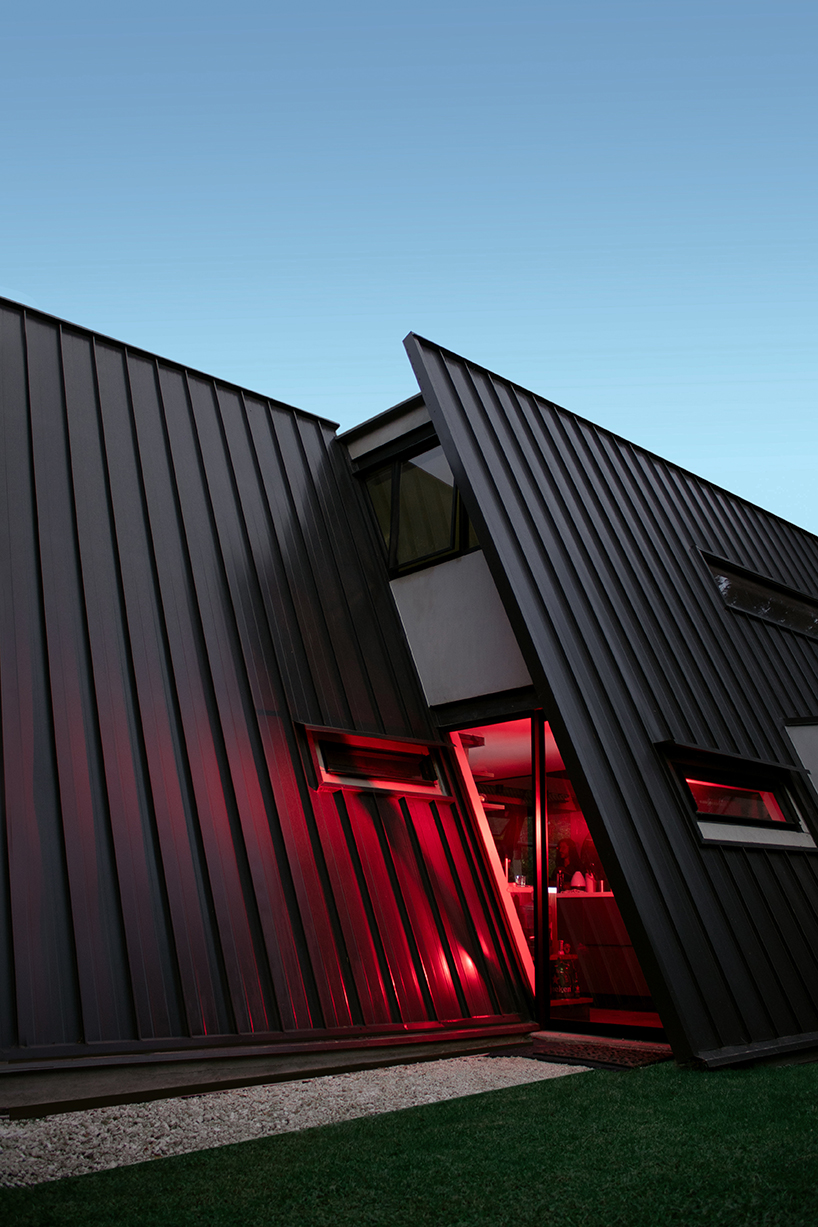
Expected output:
{"points": [[595, 545], [185, 575]]}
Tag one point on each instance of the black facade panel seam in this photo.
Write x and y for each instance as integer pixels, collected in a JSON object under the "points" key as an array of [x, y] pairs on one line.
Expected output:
{"points": [[185, 570], [369, 622], [702, 602], [95, 907], [328, 583], [266, 568], [235, 716], [264, 699], [193, 706], [332, 933], [748, 872], [787, 676], [772, 1015], [795, 961], [166, 779], [641, 618], [127, 776], [149, 958], [46, 990], [589, 554], [412, 339], [103, 338], [684, 606], [736, 696], [294, 552], [745, 679], [393, 1005], [558, 714]]}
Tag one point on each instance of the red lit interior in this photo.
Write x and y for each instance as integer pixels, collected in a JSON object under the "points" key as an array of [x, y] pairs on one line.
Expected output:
{"points": [[590, 964]]}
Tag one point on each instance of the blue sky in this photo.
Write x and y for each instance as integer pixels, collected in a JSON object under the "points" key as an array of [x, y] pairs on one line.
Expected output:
{"points": [[612, 203]]}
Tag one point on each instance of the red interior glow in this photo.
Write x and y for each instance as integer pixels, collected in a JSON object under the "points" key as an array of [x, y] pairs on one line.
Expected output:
{"points": [[729, 801]]}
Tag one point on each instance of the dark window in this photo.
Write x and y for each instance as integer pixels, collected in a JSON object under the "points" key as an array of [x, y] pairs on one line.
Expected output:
{"points": [[427, 506], [752, 594], [419, 511], [370, 762], [379, 485]]}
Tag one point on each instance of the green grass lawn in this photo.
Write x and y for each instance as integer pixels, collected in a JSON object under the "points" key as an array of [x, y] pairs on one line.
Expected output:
{"points": [[645, 1148]]}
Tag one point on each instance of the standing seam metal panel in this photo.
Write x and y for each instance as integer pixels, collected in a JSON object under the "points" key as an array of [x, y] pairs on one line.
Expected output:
{"points": [[186, 578], [594, 545]]}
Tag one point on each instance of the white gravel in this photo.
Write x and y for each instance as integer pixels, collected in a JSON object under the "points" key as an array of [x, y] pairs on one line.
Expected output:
{"points": [[73, 1143]]}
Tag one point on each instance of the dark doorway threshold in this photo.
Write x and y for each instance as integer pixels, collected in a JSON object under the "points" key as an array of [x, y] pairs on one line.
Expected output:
{"points": [[611, 1030], [606, 1052]]}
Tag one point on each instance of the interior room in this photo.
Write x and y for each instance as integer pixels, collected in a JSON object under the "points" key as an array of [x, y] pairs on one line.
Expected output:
{"points": [[592, 971]]}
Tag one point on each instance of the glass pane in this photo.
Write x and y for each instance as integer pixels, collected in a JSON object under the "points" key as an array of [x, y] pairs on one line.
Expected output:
{"points": [[370, 762], [426, 507], [755, 597], [735, 804], [379, 486], [500, 761], [594, 974], [587, 966]]}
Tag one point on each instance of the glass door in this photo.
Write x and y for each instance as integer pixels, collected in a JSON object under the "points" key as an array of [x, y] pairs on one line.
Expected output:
{"points": [[563, 910]]}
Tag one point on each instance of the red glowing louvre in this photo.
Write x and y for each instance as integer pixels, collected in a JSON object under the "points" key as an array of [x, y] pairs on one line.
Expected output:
{"points": [[735, 804], [346, 760]]}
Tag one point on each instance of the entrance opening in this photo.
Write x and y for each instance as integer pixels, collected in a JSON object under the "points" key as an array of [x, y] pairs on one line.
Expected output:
{"points": [[585, 965]]}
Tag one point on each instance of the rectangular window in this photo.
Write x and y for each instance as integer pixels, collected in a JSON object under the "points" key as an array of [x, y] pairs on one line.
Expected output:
{"points": [[734, 800], [419, 511], [727, 802], [764, 598], [347, 760], [427, 508]]}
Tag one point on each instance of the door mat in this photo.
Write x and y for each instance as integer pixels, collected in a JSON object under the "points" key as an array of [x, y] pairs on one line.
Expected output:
{"points": [[598, 1050]]}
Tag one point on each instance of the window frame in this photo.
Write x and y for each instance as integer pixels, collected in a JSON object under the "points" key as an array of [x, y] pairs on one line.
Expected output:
{"points": [[752, 783], [785, 784], [461, 522], [327, 780], [802, 600]]}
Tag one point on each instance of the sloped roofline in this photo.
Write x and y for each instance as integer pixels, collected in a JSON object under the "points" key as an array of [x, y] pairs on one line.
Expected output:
{"points": [[171, 362], [611, 434]]}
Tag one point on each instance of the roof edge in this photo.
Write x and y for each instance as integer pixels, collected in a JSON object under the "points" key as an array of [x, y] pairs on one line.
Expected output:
{"points": [[382, 419], [414, 339], [146, 353]]}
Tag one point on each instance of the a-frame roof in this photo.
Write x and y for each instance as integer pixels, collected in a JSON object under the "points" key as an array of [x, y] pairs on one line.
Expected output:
{"points": [[597, 549]]}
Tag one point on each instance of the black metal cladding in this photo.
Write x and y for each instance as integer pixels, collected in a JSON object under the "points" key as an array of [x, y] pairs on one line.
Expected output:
{"points": [[595, 546], [187, 574]]}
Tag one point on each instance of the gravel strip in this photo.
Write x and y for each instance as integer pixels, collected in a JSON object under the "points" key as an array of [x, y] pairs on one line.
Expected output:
{"points": [[73, 1143]]}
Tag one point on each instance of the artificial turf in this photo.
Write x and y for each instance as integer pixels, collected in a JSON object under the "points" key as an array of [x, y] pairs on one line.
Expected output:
{"points": [[646, 1148]]}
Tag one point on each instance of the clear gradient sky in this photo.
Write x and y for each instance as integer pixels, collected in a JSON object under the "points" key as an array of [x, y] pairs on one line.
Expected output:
{"points": [[611, 201]]}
